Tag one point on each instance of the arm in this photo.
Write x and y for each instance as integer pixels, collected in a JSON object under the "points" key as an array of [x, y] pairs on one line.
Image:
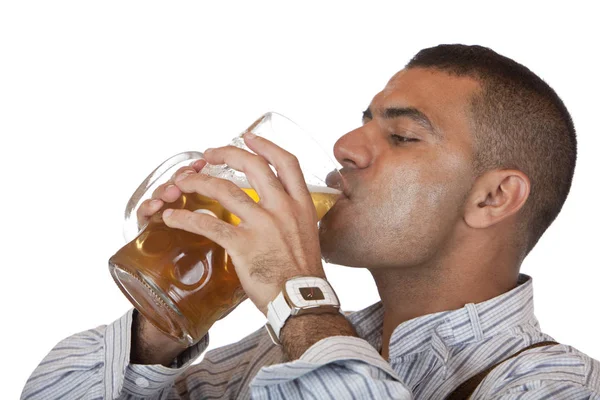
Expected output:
{"points": [[300, 333], [327, 361], [127, 357], [151, 346], [278, 240], [96, 364]]}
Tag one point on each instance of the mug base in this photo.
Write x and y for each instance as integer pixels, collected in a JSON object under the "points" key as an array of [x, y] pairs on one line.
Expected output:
{"points": [[151, 302]]}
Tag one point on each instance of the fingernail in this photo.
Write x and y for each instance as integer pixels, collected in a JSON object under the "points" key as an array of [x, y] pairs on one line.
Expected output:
{"points": [[169, 187], [167, 213], [182, 176], [208, 150], [250, 135], [155, 203], [198, 164]]}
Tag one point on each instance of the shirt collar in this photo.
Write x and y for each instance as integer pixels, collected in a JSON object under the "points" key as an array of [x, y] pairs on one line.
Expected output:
{"points": [[470, 324]]}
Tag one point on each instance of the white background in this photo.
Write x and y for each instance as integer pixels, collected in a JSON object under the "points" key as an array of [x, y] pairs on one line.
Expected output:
{"points": [[93, 95]]}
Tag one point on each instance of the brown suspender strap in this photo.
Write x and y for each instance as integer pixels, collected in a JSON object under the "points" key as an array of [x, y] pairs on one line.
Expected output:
{"points": [[466, 389]]}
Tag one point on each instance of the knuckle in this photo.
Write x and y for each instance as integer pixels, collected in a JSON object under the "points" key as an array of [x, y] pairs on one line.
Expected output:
{"points": [[183, 170], [303, 188], [203, 177], [225, 150], [182, 215], [220, 229], [275, 183], [261, 161], [288, 209], [236, 193], [143, 209], [187, 175], [291, 161], [194, 179], [199, 177], [231, 188], [159, 190], [224, 184], [141, 219], [223, 232], [311, 211], [181, 218]]}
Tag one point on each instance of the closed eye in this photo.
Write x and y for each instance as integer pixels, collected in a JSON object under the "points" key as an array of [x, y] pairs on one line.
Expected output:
{"points": [[402, 139]]}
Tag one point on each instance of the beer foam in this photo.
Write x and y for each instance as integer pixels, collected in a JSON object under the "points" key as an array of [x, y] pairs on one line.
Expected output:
{"points": [[244, 184], [323, 189]]}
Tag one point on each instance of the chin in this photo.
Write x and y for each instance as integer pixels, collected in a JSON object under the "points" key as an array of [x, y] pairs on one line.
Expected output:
{"points": [[341, 257], [339, 244], [327, 239], [334, 246]]}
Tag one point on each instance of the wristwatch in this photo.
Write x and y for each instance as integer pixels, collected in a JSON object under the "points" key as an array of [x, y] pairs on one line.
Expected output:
{"points": [[300, 295]]}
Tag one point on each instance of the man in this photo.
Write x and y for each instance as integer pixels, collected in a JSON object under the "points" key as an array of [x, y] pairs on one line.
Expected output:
{"points": [[462, 162]]}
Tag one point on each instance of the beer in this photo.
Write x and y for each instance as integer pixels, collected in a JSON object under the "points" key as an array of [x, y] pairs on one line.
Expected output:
{"points": [[182, 282]]}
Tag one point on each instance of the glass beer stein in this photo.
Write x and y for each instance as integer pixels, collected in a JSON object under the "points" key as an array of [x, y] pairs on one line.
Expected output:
{"points": [[182, 282]]}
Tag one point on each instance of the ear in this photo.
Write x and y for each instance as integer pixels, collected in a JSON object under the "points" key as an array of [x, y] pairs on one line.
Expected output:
{"points": [[496, 195]]}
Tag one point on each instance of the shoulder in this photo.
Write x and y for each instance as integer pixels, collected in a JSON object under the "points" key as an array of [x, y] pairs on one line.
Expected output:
{"points": [[559, 366]]}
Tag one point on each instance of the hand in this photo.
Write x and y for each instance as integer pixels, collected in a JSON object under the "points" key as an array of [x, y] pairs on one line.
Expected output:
{"points": [[165, 193], [149, 345], [277, 238]]}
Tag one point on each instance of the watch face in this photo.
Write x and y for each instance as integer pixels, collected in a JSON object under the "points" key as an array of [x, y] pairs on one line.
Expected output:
{"points": [[310, 292]]}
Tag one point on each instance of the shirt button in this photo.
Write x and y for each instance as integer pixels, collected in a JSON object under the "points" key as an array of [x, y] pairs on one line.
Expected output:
{"points": [[142, 382]]}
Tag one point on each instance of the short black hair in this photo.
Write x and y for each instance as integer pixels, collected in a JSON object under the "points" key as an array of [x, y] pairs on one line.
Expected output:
{"points": [[518, 122]]}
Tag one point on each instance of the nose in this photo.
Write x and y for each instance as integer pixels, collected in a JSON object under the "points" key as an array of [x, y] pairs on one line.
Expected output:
{"points": [[353, 150]]}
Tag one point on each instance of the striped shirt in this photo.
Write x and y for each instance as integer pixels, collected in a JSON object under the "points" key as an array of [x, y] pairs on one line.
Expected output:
{"points": [[429, 357]]}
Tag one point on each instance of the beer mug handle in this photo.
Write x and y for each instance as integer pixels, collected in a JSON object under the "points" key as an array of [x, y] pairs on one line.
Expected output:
{"points": [[152, 181]]}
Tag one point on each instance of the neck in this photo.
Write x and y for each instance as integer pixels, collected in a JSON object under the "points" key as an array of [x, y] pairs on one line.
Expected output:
{"points": [[441, 285]]}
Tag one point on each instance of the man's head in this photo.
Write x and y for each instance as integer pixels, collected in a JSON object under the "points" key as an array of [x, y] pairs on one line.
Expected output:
{"points": [[462, 146]]}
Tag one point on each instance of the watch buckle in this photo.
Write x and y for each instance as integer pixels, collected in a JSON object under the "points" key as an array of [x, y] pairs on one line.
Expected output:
{"points": [[272, 334]]}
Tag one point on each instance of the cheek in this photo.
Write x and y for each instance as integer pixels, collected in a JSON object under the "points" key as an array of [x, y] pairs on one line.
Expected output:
{"points": [[427, 192]]}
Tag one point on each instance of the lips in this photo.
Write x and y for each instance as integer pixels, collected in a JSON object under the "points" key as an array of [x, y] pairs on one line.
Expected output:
{"points": [[337, 181]]}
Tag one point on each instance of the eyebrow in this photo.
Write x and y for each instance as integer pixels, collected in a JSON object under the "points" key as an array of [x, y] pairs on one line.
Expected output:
{"points": [[409, 112]]}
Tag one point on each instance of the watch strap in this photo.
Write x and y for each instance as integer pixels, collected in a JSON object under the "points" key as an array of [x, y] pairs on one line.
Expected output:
{"points": [[278, 312]]}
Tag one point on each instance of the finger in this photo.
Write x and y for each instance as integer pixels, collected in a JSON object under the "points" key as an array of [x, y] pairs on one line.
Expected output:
{"points": [[165, 193], [257, 170], [208, 226], [286, 164], [168, 192], [227, 193], [147, 209], [183, 170], [198, 165]]}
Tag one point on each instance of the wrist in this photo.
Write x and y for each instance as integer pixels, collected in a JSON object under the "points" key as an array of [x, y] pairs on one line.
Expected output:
{"points": [[302, 331], [149, 345], [300, 295]]}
